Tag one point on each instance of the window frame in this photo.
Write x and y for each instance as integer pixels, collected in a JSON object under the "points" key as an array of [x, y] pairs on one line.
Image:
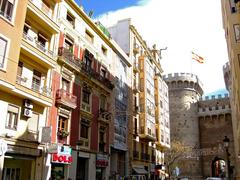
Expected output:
{"points": [[13, 13], [14, 123], [5, 56]]}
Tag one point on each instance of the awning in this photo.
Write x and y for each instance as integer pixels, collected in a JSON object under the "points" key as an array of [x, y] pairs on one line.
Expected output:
{"points": [[140, 170]]}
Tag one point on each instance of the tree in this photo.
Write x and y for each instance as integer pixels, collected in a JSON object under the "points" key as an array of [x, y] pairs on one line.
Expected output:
{"points": [[174, 155]]}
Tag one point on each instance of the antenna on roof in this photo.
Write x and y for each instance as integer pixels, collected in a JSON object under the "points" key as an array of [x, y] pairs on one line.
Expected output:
{"points": [[90, 14]]}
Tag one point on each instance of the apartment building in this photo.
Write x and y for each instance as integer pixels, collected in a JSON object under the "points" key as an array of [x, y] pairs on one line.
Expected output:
{"points": [[28, 40], [231, 25], [143, 133]]}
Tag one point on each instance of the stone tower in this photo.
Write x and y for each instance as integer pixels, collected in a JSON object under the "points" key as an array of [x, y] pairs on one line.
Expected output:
{"points": [[185, 89]]}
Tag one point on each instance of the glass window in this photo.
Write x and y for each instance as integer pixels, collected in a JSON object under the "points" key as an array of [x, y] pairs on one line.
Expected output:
{"points": [[6, 8], [36, 81], [86, 97], [70, 18], [12, 117], [62, 123], [103, 100], [89, 36], [3, 47], [84, 131]]}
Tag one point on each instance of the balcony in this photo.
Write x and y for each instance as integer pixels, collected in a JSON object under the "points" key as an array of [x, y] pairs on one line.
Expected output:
{"points": [[67, 57], [32, 45], [45, 15], [136, 48], [83, 142], [104, 116], [65, 98], [91, 73], [36, 87], [135, 155], [146, 135]]}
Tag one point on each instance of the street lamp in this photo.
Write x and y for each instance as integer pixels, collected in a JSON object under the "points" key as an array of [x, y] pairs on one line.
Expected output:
{"points": [[226, 141], [77, 149]]}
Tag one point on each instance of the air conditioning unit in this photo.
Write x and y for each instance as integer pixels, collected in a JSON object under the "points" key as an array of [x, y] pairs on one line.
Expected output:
{"points": [[28, 104], [27, 112]]}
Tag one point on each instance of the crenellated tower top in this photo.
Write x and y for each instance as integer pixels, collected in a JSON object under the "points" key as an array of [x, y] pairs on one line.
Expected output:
{"points": [[181, 81]]}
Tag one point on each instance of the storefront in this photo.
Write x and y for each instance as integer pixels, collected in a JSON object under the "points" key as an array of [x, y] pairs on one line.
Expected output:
{"points": [[61, 158], [21, 163], [101, 165]]}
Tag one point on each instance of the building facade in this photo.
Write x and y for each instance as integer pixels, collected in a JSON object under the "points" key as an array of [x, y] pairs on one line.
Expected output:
{"points": [[28, 41], [230, 16], [145, 145]]}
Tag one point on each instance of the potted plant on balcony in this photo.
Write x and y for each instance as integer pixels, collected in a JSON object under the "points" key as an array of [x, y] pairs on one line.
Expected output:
{"points": [[63, 133]]}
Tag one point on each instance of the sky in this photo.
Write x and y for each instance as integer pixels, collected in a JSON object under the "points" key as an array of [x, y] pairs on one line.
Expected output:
{"points": [[182, 26]]}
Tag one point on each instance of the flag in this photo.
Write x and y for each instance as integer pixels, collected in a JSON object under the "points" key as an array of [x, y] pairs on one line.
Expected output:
{"points": [[198, 58]]}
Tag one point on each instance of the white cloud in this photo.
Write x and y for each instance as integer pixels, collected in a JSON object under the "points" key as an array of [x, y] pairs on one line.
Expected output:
{"points": [[183, 26]]}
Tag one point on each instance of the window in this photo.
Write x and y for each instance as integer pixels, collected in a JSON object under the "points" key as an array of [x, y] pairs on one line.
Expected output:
{"points": [[86, 97], [11, 173], [65, 85], [36, 81], [12, 117], [103, 72], [68, 44], [237, 32], [62, 123], [3, 48], [103, 100], [84, 130], [70, 18], [89, 36], [6, 8], [102, 140], [104, 50], [42, 41]]}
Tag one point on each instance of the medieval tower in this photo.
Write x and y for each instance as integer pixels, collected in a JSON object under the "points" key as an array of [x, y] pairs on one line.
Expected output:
{"points": [[185, 90]]}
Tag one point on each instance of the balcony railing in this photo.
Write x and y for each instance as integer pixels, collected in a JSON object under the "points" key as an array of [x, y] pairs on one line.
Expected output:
{"points": [[104, 115], [38, 45], [89, 71], [65, 98], [43, 7], [69, 58], [34, 86]]}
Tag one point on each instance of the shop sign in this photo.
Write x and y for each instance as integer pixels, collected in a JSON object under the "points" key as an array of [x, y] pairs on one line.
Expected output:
{"points": [[63, 155], [3, 147], [65, 159], [102, 160]]}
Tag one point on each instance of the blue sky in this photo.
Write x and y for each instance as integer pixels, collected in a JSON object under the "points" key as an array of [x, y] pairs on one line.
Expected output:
{"points": [[102, 6]]}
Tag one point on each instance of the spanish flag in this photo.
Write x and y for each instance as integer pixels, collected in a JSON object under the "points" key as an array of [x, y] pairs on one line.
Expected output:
{"points": [[198, 58]]}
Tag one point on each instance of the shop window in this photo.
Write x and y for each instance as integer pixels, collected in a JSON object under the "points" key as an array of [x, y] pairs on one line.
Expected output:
{"points": [[62, 123], [33, 123], [3, 49], [6, 8], [11, 173], [36, 81], [12, 117]]}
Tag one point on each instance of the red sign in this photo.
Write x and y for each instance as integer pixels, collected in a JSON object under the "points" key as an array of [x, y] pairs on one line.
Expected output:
{"points": [[65, 159], [101, 163]]}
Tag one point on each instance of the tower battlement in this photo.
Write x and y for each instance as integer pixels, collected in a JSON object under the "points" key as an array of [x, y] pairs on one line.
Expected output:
{"points": [[184, 81]]}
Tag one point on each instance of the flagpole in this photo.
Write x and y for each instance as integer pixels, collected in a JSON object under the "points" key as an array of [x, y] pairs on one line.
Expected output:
{"points": [[191, 63]]}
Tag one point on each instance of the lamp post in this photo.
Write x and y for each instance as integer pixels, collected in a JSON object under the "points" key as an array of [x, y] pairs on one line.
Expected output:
{"points": [[77, 168], [226, 141]]}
